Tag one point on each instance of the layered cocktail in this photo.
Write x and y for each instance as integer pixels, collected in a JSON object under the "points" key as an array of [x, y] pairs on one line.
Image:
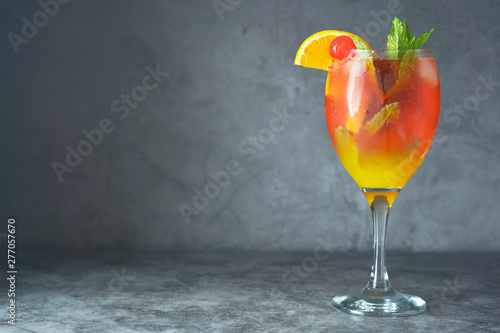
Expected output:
{"points": [[382, 110]]}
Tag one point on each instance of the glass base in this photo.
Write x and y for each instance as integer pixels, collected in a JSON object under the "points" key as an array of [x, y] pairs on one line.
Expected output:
{"points": [[372, 303]]}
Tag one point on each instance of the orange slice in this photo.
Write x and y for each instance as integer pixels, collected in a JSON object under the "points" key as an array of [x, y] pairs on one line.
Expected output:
{"points": [[314, 53]]}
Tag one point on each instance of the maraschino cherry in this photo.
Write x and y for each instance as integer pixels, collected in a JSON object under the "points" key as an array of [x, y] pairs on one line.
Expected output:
{"points": [[341, 47]]}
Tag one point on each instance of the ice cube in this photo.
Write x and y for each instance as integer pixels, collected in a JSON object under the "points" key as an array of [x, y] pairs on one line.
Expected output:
{"points": [[363, 92], [427, 70]]}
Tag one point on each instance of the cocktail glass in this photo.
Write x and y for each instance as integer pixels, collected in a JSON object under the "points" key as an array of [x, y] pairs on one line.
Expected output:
{"points": [[382, 110]]}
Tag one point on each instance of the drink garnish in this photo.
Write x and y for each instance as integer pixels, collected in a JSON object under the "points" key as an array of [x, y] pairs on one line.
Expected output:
{"points": [[341, 47], [400, 37], [314, 51], [322, 48]]}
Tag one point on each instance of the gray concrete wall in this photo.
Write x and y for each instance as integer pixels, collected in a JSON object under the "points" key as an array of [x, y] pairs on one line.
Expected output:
{"points": [[225, 74]]}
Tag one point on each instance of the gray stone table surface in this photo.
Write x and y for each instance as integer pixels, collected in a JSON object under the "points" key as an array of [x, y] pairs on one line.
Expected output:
{"points": [[245, 292]]}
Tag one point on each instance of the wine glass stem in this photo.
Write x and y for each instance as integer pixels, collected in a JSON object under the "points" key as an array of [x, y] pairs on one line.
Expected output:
{"points": [[379, 281]]}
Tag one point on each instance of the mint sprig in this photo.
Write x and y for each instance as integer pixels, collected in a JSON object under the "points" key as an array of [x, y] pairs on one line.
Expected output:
{"points": [[400, 37]]}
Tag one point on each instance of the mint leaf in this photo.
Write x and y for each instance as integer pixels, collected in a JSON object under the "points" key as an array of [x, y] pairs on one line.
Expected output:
{"points": [[407, 63], [359, 44], [394, 38], [388, 113], [400, 37], [408, 40], [422, 39]]}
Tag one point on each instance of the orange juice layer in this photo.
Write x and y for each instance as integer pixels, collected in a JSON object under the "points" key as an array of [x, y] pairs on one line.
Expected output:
{"points": [[389, 196], [384, 169]]}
